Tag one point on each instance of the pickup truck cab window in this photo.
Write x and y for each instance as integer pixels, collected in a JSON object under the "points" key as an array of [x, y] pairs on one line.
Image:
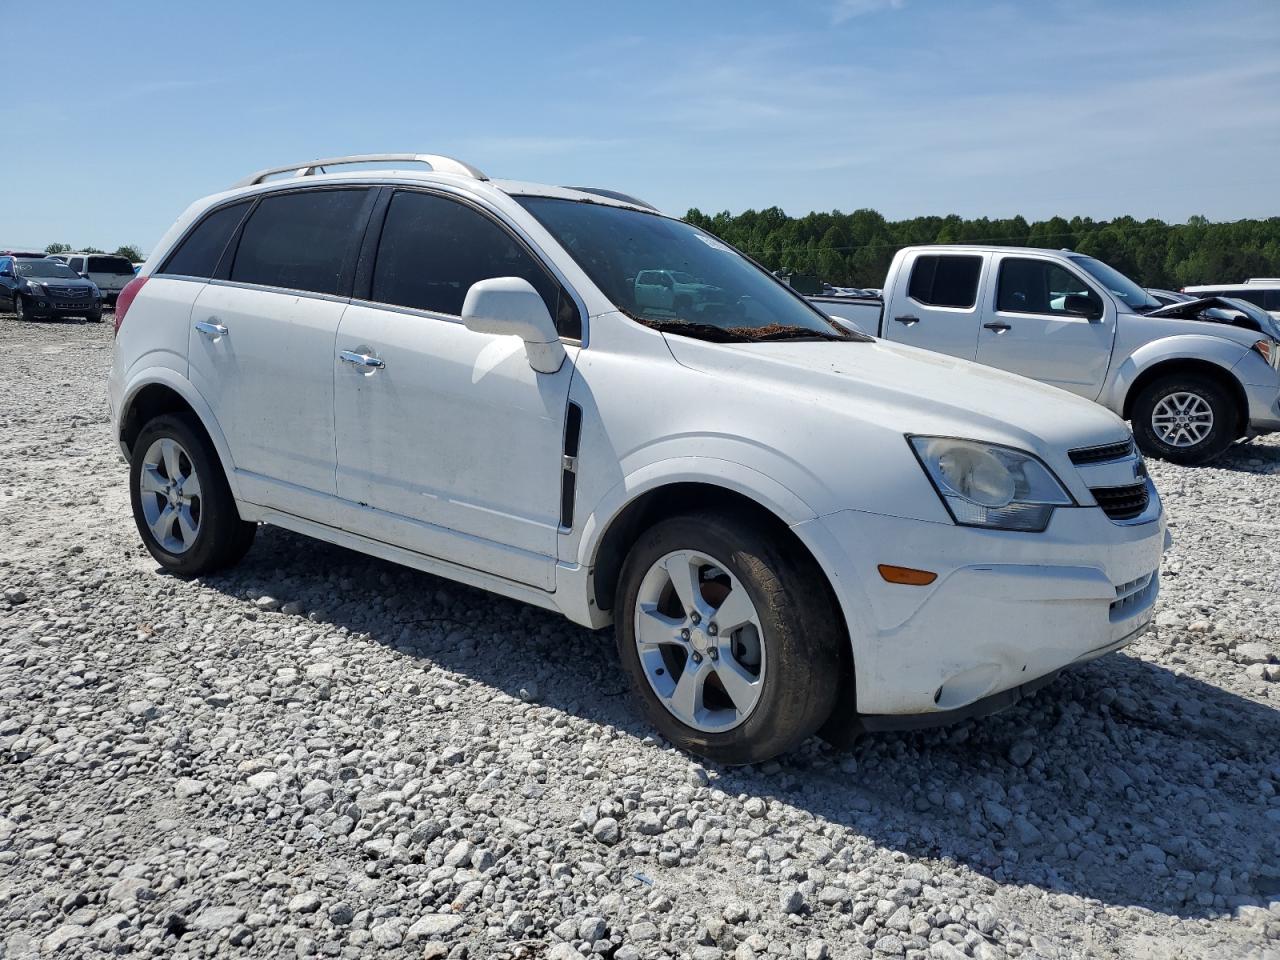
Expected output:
{"points": [[1043, 287], [946, 281]]}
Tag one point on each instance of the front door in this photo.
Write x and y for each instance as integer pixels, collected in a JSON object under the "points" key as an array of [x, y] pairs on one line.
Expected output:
{"points": [[1044, 321], [935, 303], [449, 443]]}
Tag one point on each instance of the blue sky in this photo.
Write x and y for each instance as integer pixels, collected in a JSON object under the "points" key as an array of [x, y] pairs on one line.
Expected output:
{"points": [[1165, 108]]}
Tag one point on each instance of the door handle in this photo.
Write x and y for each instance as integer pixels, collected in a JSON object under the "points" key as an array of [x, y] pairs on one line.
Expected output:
{"points": [[211, 328], [997, 326], [907, 320], [361, 360]]}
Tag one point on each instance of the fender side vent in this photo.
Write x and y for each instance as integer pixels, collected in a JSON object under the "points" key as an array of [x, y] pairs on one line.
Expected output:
{"points": [[569, 470]]}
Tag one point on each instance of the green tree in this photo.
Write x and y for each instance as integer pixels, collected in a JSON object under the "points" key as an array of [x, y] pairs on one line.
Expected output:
{"points": [[91, 250], [58, 248], [129, 252]]}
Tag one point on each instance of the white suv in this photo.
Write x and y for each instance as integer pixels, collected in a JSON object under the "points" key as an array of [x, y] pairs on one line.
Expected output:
{"points": [[791, 525]]}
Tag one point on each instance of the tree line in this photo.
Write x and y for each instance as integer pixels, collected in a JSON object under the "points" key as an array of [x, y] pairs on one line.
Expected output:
{"points": [[128, 251], [854, 249]]}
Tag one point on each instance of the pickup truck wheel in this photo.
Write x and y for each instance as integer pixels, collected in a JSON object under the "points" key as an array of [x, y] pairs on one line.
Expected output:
{"points": [[181, 501], [1184, 419], [729, 637]]}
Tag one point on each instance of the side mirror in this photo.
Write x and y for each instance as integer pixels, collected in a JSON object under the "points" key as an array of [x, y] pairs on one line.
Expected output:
{"points": [[509, 306], [1080, 305]]}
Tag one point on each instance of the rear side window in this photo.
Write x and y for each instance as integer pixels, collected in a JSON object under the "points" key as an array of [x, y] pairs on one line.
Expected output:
{"points": [[1271, 300], [198, 254], [945, 280], [110, 265], [302, 241], [433, 249], [76, 264]]}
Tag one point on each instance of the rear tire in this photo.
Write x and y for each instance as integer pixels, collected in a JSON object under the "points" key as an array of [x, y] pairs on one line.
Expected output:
{"points": [[181, 501], [782, 662], [1184, 418]]}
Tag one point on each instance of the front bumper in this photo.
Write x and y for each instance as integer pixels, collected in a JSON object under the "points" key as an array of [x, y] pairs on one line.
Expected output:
{"points": [[56, 307], [1264, 408], [1005, 610]]}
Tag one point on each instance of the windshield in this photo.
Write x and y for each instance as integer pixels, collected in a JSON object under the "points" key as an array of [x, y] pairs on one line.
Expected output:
{"points": [[54, 269], [117, 265], [1121, 286], [675, 278]]}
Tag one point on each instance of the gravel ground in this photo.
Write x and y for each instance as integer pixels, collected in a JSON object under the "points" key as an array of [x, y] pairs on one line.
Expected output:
{"points": [[321, 754]]}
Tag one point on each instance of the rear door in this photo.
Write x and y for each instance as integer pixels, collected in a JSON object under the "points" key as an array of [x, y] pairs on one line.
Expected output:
{"points": [[1028, 329], [262, 342], [450, 444], [934, 302]]}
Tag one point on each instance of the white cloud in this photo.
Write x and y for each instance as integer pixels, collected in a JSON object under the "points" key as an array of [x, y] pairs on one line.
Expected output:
{"points": [[848, 9]]}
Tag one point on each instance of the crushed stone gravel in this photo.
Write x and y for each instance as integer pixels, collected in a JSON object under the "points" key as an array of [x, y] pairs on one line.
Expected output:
{"points": [[319, 754]]}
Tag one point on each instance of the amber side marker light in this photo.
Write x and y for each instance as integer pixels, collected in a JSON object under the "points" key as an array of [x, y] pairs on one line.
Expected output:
{"points": [[906, 575]]}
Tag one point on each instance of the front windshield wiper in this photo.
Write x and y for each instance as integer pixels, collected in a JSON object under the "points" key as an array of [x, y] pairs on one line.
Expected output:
{"points": [[781, 331], [703, 331]]}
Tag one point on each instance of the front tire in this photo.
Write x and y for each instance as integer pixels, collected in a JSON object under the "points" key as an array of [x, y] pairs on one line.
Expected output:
{"points": [[181, 501], [729, 636], [95, 317], [1184, 418], [20, 307]]}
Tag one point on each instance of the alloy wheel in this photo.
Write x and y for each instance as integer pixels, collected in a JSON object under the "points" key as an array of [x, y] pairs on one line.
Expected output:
{"points": [[700, 641], [1182, 419], [170, 490]]}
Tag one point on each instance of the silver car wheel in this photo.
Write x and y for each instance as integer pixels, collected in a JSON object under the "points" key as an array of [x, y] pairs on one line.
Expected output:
{"points": [[700, 641], [1182, 419], [170, 495]]}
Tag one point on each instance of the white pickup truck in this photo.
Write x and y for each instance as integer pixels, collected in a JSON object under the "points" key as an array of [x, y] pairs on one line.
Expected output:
{"points": [[1190, 383]]}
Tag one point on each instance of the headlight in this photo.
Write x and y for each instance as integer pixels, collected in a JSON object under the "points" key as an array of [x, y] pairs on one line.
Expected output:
{"points": [[37, 288], [985, 485], [1269, 350]]}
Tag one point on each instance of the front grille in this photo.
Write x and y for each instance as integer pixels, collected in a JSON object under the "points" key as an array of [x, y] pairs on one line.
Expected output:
{"points": [[1102, 454], [1122, 503], [69, 293], [1131, 597]]}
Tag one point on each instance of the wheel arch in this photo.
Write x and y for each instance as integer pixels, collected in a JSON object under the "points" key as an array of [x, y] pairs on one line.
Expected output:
{"points": [[1184, 366], [162, 391]]}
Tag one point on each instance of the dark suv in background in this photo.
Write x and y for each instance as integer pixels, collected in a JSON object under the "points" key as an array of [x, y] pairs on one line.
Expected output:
{"points": [[41, 287]]}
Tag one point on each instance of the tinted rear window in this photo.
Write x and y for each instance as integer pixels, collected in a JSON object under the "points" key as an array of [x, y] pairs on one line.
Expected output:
{"points": [[198, 254], [946, 280], [110, 265], [302, 241]]}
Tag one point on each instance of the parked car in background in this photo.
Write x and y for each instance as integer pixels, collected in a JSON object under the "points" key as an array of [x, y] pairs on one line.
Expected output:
{"points": [[674, 290], [790, 525], [108, 271], [1263, 292], [1191, 387], [25, 254], [41, 287]]}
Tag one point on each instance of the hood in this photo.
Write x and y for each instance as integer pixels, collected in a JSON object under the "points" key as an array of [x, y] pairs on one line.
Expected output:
{"points": [[909, 390], [68, 282], [1221, 311]]}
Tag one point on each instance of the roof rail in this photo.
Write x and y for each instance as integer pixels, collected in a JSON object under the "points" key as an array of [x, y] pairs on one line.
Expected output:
{"points": [[436, 162], [615, 195]]}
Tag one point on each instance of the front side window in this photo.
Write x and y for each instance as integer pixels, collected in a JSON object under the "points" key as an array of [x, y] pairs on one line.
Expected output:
{"points": [[1041, 286], [302, 241], [198, 254], [433, 249], [945, 280], [635, 259]]}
